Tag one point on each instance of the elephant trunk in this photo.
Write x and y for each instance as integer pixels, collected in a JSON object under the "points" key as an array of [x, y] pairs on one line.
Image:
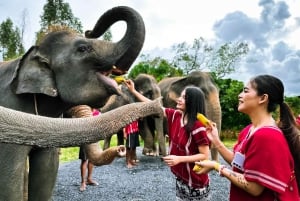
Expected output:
{"points": [[26, 129], [131, 44]]}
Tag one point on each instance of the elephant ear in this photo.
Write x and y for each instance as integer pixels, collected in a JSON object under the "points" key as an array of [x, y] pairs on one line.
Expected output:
{"points": [[176, 88], [33, 75]]}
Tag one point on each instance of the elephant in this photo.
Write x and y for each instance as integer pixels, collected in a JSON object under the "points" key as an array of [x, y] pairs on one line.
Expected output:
{"points": [[65, 69], [172, 87], [150, 127]]}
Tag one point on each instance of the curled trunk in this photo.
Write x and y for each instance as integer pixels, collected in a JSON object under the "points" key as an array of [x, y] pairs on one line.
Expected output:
{"points": [[131, 44], [26, 129]]}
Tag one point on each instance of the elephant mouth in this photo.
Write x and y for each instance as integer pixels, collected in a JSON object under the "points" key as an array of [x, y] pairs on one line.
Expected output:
{"points": [[110, 84]]}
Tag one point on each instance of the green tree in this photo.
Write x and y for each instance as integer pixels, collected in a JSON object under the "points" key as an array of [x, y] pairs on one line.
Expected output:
{"points": [[10, 40], [202, 56], [57, 12], [222, 61], [232, 119], [157, 67], [107, 35]]}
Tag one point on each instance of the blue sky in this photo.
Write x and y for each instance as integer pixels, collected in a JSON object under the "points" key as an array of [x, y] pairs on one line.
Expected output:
{"points": [[270, 28]]}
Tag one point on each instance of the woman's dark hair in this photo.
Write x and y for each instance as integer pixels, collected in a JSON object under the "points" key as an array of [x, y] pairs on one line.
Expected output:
{"points": [[273, 87], [194, 103]]}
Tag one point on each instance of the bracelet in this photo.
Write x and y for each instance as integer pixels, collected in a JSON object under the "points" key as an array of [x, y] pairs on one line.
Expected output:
{"points": [[221, 169]]}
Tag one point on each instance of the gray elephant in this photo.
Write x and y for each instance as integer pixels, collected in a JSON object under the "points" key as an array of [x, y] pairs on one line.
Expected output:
{"points": [[151, 129], [172, 87], [64, 70]]}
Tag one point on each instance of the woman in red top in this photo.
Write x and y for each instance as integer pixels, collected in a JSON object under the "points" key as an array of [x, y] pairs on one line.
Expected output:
{"points": [[265, 160], [188, 143]]}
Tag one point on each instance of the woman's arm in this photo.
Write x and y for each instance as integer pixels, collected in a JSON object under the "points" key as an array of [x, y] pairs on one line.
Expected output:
{"points": [[238, 179], [138, 95], [213, 136]]}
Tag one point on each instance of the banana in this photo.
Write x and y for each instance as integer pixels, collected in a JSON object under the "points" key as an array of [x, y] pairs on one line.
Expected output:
{"points": [[197, 168], [203, 119], [119, 79]]}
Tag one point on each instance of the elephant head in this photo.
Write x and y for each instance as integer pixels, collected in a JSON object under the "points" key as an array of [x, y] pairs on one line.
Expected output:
{"points": [[172, 87], [74, 68]]}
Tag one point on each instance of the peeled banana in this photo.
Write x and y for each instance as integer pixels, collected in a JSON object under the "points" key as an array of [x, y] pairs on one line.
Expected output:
{"points": [[119, 79], [203, 119]]}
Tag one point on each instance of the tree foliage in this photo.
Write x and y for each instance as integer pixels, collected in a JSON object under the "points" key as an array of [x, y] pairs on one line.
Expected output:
{"points": [[157, 67], [10, 40], [232, 119], [202, 56], [58, 13]]}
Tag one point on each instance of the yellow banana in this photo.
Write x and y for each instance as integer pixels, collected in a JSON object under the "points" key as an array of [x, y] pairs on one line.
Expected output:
{"points": [[197, 168], [203, 119], [119, 79]]}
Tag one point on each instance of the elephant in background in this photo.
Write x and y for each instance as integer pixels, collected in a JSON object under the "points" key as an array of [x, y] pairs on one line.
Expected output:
{"points": [[172, 87], [64, 70], [151, 128]]}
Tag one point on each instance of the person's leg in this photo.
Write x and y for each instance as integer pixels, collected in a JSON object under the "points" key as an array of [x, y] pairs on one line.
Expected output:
{"points": [[90, 181], [83, 167], [129, 158]]}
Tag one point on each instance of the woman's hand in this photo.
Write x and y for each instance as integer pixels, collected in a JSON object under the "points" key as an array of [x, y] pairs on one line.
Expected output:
{"points": [[213, 133], [171, 160], [206, 166], [130, 85]]}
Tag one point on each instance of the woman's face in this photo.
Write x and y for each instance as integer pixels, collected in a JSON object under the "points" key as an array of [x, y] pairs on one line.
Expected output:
{"points": [[181, 102], [248, 99]]}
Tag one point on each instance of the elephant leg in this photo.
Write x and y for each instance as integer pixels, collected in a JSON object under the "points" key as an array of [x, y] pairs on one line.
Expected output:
{"points": [[12, 168], [106, 143], [148, 137], [43, 170], [160, 136]]}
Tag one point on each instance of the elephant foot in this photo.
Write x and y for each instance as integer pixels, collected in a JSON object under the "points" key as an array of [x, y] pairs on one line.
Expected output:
{"points": [[149, 152]]}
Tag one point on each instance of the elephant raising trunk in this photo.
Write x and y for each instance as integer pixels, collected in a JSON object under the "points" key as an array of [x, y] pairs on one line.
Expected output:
{"points": [[27, 129], [94, 153], [135, 27]]}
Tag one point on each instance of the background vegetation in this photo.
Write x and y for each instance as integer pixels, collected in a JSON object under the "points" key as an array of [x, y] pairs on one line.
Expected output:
{"points": [[220, 60]]}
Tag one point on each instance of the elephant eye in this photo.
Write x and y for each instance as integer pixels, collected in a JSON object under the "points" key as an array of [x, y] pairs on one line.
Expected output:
{"points": [[84, 48]]}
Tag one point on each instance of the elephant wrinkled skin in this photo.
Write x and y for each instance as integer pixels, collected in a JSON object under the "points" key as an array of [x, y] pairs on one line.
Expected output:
{"points": [[64, 70], [172, 87]]}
